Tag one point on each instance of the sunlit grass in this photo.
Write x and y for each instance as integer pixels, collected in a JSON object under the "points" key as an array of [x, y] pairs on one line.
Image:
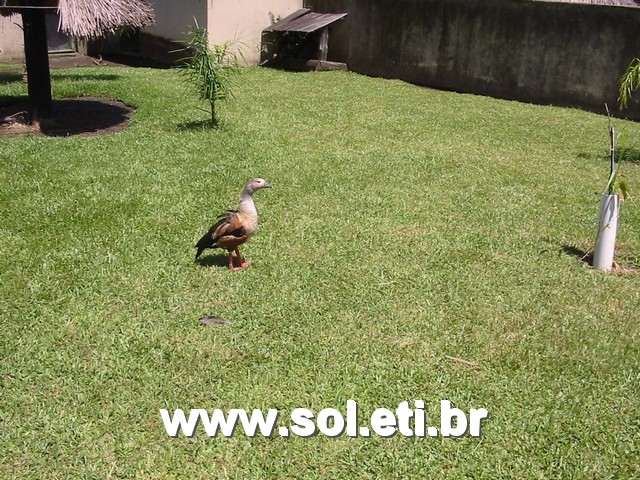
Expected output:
{"points": [[406, 225]]}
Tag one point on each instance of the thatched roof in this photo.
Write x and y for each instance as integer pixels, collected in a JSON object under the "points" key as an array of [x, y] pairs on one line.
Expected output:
{"points": [[89, 18]]}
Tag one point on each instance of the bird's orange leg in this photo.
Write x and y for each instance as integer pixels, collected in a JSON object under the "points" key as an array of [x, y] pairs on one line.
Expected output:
{"points": [[241, 261], [230, 260]]}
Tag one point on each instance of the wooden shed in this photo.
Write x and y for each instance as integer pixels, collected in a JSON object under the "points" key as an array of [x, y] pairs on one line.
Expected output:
{"points": [[300, 41]]}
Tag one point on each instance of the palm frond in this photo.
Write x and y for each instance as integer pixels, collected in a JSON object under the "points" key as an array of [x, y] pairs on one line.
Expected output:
{"points": [[628, 83], [621, 187], [209, 69]]}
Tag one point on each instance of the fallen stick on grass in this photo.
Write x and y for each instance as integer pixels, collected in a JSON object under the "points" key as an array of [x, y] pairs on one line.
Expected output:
{"points": [[461, 360]]}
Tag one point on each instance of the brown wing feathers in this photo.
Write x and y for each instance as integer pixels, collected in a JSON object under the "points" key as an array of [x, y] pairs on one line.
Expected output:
{"points": [[227, 233]]}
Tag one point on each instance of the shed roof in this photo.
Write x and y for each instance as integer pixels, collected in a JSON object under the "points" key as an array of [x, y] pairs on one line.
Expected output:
{"points": [[304, 20], [89, 18]]}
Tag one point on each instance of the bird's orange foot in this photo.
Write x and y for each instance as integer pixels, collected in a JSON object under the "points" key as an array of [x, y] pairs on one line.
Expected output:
{"points": [[242, 266]]}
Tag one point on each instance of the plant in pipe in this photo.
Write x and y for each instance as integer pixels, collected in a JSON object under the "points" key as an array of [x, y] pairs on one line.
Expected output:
{"points": [[615, 192]]}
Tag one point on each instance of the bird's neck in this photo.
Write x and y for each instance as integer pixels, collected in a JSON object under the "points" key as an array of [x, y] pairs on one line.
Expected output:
{"points": [[246, 204]]}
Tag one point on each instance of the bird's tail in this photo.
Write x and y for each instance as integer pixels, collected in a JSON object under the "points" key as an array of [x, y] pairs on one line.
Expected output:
{"points": [[205, 242]]}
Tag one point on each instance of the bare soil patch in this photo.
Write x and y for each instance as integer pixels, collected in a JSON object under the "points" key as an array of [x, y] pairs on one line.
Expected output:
{"points": [[85, 116], [586, 256]]}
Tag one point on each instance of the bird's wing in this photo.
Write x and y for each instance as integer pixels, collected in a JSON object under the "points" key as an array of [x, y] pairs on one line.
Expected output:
{"points": [[229, 231]]}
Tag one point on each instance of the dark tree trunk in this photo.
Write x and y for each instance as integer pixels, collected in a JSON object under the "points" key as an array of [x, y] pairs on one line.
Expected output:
{"points": [[37, 60]]}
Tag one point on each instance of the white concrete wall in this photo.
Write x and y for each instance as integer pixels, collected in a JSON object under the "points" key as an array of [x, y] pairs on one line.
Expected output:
{"points": [[11, 39], [242, 22], [174, 18]]}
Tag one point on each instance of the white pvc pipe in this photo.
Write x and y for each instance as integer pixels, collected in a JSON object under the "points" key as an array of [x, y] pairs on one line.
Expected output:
{"points": [[607, 230]]}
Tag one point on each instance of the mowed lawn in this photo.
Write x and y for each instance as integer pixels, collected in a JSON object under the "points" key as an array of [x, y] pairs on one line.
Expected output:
{"points": [[405, 226]]}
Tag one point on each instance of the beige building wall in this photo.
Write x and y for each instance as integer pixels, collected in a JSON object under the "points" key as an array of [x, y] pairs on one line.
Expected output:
{"points": [[238, 21], [11, 39], [242, 22]]}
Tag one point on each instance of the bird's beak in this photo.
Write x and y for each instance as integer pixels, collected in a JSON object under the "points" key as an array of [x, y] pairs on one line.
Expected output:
{"points": [[266, 185]]}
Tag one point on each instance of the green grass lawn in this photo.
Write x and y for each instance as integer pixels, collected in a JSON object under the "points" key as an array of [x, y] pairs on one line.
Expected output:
{"points": [[406, 225]]}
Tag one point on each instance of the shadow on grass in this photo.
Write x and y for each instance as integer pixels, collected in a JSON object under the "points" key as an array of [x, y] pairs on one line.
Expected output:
{"points": [[6, 100], [10, 77], [78, 116], [580, 254], [216, 260], [631, 155], [93, 77], [71, 116], [628, 155], [133, 61]]}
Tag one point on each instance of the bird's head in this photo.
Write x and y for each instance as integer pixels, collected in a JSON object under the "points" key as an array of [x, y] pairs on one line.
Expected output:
{"points": [[256, 184]]}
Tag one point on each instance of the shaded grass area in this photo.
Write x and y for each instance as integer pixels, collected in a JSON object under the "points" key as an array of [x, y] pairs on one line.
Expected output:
{"points": [[406, 225]]}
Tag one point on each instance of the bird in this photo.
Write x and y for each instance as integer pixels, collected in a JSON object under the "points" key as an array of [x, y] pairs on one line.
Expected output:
{"points": [[235, 227]]}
